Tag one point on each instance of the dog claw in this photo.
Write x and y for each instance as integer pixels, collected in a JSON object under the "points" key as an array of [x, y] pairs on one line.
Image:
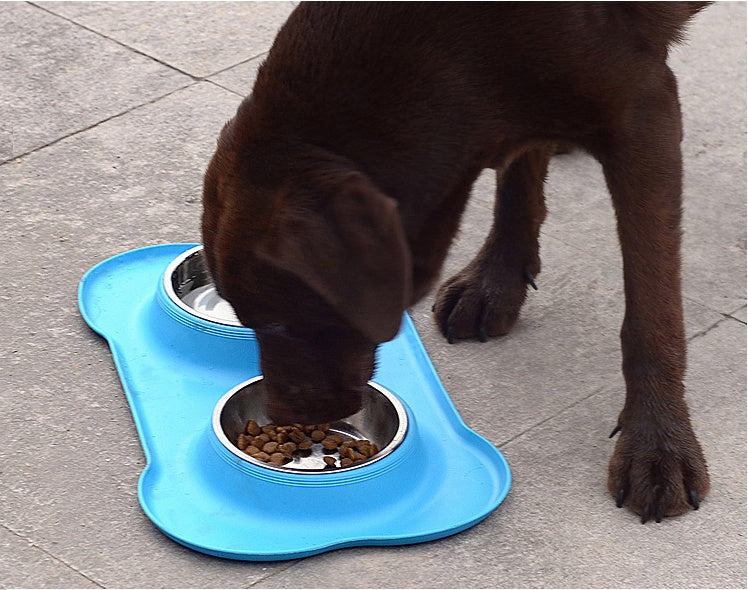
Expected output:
{"points": [[616, 430], [645, 515], [482, 336], [693, 498], [531, 280], [619, 498], [450, 335]]}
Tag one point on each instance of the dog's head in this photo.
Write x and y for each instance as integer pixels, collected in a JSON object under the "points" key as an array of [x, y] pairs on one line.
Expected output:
{"points": [[313, 258]]}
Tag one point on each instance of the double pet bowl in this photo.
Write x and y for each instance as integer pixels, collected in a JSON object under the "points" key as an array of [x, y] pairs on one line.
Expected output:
{"points": [[191, 374]]}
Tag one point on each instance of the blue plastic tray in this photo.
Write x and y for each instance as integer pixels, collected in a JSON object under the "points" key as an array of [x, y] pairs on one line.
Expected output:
{"points": [[175, 367]]}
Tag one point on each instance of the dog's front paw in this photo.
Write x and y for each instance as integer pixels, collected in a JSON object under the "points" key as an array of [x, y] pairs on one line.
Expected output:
{"points": [[658, 470], [478, 303]]}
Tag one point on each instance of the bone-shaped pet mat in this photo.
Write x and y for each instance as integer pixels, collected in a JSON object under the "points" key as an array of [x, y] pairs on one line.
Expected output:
{"points": [[175, 367]]}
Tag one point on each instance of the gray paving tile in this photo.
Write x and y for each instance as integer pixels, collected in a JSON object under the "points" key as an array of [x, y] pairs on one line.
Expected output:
{"points": [[23, 565], [559, 527], [59, 78], [199, 38], [137, 180], [68, 438]]}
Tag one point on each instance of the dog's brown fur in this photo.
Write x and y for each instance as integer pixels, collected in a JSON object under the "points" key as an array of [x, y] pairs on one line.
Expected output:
{"points": [[338, 186]]}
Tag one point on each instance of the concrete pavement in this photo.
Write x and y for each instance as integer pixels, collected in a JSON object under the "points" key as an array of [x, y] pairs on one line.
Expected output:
{"points": [[108, 115]]}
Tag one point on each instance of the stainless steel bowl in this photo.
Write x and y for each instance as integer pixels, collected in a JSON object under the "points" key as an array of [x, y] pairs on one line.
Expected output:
{"points": [[382, 420], [188, 284]]}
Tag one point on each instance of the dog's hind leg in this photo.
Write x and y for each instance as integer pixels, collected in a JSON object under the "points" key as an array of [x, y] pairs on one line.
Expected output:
{"points": [[657, 468], [485, 298]]}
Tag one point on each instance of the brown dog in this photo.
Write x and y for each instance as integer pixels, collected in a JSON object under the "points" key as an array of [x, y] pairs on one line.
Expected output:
{"points": [[337, 188]]}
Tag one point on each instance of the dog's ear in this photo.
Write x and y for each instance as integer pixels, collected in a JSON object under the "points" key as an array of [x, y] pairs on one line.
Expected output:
{"points": [[348, 245]]}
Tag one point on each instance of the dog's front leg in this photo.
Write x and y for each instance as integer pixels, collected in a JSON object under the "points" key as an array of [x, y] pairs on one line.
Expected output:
{"points": [[484, 299], [658, 468]]}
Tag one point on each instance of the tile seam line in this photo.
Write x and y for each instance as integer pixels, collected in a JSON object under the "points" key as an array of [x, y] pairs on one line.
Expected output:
{"points": [[52, 556], [725, 318], [592, 394], [603, 388], [124, 45], [113, 40], [97, 123]]}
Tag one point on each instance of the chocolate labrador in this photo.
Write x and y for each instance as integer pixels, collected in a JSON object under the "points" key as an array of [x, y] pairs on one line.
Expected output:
{"points": [[336, 189]]}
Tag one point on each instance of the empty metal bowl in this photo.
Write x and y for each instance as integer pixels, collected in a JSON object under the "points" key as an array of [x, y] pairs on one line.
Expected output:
{"points": [[188, 284], [382, 420]]}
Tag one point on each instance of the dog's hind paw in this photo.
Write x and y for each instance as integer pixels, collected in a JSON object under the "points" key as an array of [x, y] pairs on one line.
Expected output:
{"points": [[657, 474]]}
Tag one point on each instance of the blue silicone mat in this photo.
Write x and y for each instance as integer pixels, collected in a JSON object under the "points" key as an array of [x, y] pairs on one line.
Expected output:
{"points": [[174, 367]]}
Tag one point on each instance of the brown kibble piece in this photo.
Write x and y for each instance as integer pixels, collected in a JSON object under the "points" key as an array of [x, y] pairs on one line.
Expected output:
{"points": [[329, 444], [270, 447], [253, 428], [261, 456], [281, 437], [277, 459], [329, 461], [243, 441], [310, 428], [346, 462], [252, 450], [305, 445], [353, 455], [317, 435], [263, 438], [287, 447], [297, 435], [323, 427]]}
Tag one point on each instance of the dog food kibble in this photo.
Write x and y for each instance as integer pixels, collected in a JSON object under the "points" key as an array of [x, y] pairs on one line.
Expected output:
{"points": [[243, 442], [297, 435], [330, 444], [305, 445], [279, 445], [253, 428], [270, 447], [287, 447], [277, 459]]}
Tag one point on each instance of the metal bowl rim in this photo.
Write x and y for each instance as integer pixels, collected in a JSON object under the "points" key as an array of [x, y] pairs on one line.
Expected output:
{"points": [[169, 287]]}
